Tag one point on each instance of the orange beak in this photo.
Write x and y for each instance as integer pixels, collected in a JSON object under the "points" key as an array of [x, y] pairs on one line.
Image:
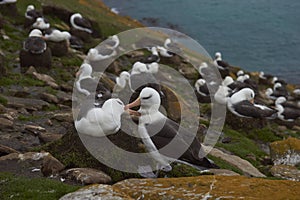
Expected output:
{"points": [[252, 101], [78, 73], [135, 103]]}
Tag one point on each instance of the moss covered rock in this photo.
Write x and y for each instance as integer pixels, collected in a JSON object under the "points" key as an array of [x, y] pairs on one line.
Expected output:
{"points": [[286, 152], [202, 187]]}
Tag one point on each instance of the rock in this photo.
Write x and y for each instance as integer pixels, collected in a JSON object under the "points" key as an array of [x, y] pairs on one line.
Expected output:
{"points": [[51, 166], [4, 150], [103, 192], [208, 187], [27, 164], [50, 98], [243, 165], [282, 128], [63, 117], [34, 129], [226, 140], [6, 123], [87, 176], [64, 98], [223, 172], [286, 152], [2, 108], [48, 80], [46, 137], [27, 103], [286, 172]]}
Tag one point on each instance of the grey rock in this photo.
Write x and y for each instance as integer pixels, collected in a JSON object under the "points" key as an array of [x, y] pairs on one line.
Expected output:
{"points": [[286, 172], [5, 150], [93, 192], [87, 176], [27, 103], [246, 167], [50, 98], [51, 166], [6, 123], [285, 152]]}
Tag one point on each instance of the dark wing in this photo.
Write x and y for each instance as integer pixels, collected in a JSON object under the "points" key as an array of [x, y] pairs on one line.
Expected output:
{"points": [[290, 105], [291, 113], [89, 84], [247, 109], [35, 45], [150, 59], [102, 94], [204, 89], [34, 14], [82, 22], [76, 43], [223, 64], [167, 132]]}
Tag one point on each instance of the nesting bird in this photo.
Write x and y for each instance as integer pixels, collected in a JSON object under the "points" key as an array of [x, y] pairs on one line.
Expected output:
{"points": [[88, 85], [242, 104], [286, 112], [81, 27], [35, 51], [58, 41], [41, 23]]}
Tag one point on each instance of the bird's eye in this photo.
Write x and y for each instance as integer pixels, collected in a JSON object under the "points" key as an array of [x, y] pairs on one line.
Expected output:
{"points": [[147, 97], [120, 102]]}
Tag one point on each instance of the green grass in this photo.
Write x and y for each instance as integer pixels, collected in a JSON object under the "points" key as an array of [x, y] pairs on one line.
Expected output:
{"points": [[224, 165], [3, 100], [264, 135], [20, 188], [20, 79], [28, 118], [51, 107], [242, 146]]}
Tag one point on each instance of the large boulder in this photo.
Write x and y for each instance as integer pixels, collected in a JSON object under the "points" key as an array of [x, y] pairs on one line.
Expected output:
{"points": [[87, 176], [201, 187], [286, 172], [286, 152], [30, 164], [103, 192]]}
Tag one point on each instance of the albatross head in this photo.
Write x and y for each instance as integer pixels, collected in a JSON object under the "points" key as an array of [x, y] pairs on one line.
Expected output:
{"points": [[114, 106], [218, 56], [29, 8], [227, 81], [149, 101], [85, 70], [280, 100], [242, 95], [36, 33], [138, 68]]}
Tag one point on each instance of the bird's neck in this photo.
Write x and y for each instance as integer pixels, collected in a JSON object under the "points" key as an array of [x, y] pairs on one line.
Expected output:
{"points": [[150, 115]]}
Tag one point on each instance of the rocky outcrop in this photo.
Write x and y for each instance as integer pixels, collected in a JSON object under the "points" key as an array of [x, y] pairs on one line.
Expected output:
{"points": [[202, 187], [246, 167], [86, 176], [30, 164], [286, 152], [103, 192], [285, 156], [286, 172]]}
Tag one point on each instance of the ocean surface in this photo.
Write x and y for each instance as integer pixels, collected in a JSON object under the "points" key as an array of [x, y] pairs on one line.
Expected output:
{"points": [[257, 35]]}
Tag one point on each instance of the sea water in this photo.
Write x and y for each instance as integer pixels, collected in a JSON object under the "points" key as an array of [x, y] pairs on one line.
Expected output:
{"points": [[257, 35]]}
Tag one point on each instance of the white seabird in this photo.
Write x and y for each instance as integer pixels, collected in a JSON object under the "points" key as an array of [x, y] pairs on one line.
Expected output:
{"points": [[100, 122]]}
